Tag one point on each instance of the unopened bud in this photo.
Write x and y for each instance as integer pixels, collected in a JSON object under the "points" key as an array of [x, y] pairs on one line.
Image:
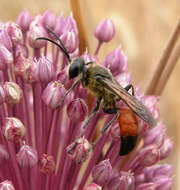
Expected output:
{"points": [[165, 169], [44, 72], [13, 93], [116, 61], [70, 41], [59, 25], [92, 186], [24, 20], [49, 19], [166, 148], [6, 185], [14, 32], [124, 181], [148, 155], [78, 151], [102, 172], [105, 31], [77, 110], [21, 49], [53, 93], [163, 183], [27, 156], [146, 186], [35, 32], [5, 40], [6, 58], [14, 130], [155, 135], [151, 103], [47, 164]]}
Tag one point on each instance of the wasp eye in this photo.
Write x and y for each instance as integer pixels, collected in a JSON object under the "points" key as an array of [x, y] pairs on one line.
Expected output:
{"points": [[76, 68]]}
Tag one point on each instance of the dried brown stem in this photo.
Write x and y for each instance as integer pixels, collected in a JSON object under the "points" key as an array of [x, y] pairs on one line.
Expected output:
{"points": [[77, 13], [152, 88], [167, 71]]}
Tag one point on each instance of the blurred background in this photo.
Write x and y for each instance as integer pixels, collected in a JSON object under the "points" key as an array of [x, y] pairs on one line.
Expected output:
{"points": [[142, 29]]}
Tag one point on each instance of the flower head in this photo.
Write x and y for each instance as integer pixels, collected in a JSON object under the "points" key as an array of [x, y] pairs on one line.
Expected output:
{"points": [[46, 144]]}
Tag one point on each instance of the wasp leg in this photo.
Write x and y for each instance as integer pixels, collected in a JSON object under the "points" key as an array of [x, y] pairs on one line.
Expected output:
{"points": [[106, 127], [87, 121], [67, 92], [93, 113], [128, 87]]}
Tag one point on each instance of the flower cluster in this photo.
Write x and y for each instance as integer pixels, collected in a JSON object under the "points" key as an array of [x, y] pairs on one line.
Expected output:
{"points": [[38, 141]]}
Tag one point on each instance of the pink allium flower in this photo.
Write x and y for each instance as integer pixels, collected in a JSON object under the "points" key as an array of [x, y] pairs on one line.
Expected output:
{"points": [[39, 144]]}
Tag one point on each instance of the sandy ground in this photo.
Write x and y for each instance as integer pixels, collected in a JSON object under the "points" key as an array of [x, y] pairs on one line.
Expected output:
{"points": [[142, 29]]}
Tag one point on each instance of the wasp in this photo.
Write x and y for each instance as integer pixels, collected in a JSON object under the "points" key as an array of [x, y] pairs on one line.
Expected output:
{"points": [[100, 81]]}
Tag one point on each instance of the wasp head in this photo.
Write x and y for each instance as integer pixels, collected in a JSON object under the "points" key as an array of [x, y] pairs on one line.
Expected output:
{"points": [[76, 68]]}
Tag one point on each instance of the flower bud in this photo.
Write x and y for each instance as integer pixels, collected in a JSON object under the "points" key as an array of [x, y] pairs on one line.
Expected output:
{"points": [[70, 25], [59, 25], [124, 181], [166, 148], [78, 151], [151, 103], [25, 68], [27, 156], [53, 93], [13, 93], [3, 154], [14, 130], [21, 49], [92, 186], [148, 155], [163, 183], [44, 72], [24, 20], [105, 31], [48, 19], [14, 32], [146, 186], [116, 61], [6, 58], [155, 135], [165, 169], [5, 40], [77, 110], [35, 32], [124, 79], [102, 172], [47, 164], [6, 185], [140, 178], [2, 94], [70, 41]]}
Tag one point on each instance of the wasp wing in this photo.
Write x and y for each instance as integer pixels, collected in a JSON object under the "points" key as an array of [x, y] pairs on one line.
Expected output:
{"points": [[134, 104]]}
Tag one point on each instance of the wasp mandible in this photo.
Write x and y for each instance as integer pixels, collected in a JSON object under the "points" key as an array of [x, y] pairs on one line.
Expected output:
{"points": [[104, 86]]}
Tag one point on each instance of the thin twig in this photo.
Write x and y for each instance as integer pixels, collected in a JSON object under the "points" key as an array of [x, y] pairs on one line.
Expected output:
{"points": [[164, 59], [77, 13], [167, 71]]}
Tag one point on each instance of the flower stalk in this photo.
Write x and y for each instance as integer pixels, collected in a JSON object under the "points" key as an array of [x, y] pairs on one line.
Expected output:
{"points": [[157, 79]]}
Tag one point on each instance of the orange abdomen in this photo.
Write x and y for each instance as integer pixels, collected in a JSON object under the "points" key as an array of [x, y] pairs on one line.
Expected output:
{"points": [[128, 123]]}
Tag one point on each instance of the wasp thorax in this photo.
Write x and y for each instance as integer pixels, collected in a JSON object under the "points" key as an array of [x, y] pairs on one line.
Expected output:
{"points": [[76, 68]]}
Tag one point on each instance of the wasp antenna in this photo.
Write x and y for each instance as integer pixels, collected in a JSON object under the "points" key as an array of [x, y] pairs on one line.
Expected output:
{"points": [[61, 48], [57, 37]]}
